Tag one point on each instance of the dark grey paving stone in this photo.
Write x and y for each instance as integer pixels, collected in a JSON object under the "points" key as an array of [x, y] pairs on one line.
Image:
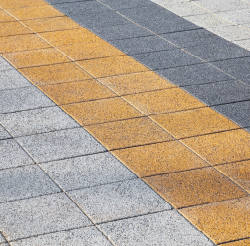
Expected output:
{"points": [[164, 228], [25, 182], [3, 133], [37, 121], [60, 144], [238, 112], [4, 65], [142, 45], [124, 4], [23, 99], [85, 236], [166, 59], [248, 129], [65, 1], [220, 92], [193, 74], [87, 171], [12, 155], [80, 8], [40, 215]]}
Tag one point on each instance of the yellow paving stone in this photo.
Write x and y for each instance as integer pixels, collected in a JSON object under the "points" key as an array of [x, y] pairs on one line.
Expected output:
{"points": [[21, 43], [34, 12], [90, 50], [13, 28], [222, 221], [239, 172], [194, 122], [101, 111], [159, 158], [4, 17], [50, 24], [163, 101], [79, 91], [136, 82], [52, 74], [7, 4], [195, 187], [245, 242], [35, 58], [110, 66], [128, 133], [223, 147]]}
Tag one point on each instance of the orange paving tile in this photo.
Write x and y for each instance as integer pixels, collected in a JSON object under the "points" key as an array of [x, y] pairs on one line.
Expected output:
{"points": [[136, 82], [6, 4], [33, 12], [58, 73], [128, 133], [101, 111], [159, 158], [50, 24], [194, 122], [224, 147], [163, 101], [76, 91], [21, 43], [239, 172], [4, 17], [245, 242], [109, 66], [13, 28], [35, 58], [222, 221], [195, 187]]}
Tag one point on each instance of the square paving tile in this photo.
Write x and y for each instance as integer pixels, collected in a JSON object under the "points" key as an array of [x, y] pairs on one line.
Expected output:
{"points": [[40, 215], [4, 65], [12, 155], [37, 121], [4, 17], [87, 171], [60, 144], [128, 133], [155, 229], [193, 122], [13, 28], [119, 200], [4, 134], [23, 99], [25, 182], [163, 101], [101, 111], [224, 147], [221, 221], [73, 92], [159, 158], [5, 4]]}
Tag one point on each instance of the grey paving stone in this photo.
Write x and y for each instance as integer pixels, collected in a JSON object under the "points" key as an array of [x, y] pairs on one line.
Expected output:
{"points": [[87, 236], [60, 144], [25, 182], [87, 171], [4, 244], [23, 99], [166, 59], [65, 1], [37, 121], [4, 65], [239, 17], [161, 229], [11, 79], [238, 112], [142, 45], [124, 4], [118, 200], [39, 215], [2, 239], [220, 92], [243, 43], [193, 74], [12, 155], [3, 133]]}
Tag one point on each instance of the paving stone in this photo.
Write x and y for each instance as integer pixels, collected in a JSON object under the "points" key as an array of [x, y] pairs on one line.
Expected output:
{"points": [[118, 200], [238, 112], [20, 3], [220, 92], [155, 229], [87, 171], [4, 17], [236, 16], [4, 65], [60, 144], [2, 239], [40, 215], [166, 59], [37, 121], [121, 4], [243, 43], [12, 155], [85, 236], [142, 45], [3, 133], [25, 182], [11, 79], [193, 74], [52, 2], [23, 99], [13, 28]]}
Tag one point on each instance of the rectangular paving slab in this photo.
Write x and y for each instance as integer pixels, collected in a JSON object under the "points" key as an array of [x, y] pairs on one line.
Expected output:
{"points": [[3, 133]]}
